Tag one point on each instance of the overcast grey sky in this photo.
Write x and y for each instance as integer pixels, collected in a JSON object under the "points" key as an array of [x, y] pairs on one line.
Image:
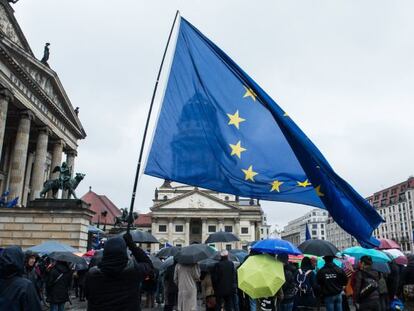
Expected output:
{"points": [[343, 70]]}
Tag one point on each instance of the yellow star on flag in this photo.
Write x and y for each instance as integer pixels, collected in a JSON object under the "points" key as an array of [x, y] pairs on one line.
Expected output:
{"points": [[249, 93], [318, 191], [285, 114], [237, 149], [276, 185], [249, 173], [235, 119], [304, 184]]}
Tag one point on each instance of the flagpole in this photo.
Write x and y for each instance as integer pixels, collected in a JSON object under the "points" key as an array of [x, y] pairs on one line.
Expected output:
{"points": [[131, 207]]}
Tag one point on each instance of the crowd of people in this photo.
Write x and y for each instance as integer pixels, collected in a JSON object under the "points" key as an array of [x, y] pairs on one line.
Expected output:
{"points": [[124, 273]]}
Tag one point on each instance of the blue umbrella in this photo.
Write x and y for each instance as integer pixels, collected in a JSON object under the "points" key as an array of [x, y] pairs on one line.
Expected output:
{"points": [[52, 246], [276, 246], [358, 252]]}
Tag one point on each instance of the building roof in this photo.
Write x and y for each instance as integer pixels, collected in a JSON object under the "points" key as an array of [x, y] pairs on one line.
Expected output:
{"points": [[391, 195], [144, 220], [99, 204]]}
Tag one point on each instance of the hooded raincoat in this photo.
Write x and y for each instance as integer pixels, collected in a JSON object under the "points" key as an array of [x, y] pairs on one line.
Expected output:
{"points": [[114, 284], [16, 292]]}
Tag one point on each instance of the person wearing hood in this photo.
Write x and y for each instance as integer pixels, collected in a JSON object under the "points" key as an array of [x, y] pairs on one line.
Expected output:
{"points": [[58, 281], [30, 270], [366, 286], [16, 292], [114, 283]]}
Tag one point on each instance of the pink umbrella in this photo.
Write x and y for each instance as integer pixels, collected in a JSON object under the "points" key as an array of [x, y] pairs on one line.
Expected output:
{"points": [[388, 244]]}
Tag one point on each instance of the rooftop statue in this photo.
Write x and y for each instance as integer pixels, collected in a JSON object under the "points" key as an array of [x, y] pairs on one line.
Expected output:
{"points": [[46, 54], [64, 182]]}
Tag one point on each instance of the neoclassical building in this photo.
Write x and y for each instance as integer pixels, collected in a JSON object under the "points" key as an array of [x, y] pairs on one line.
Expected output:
{"points": [[38, 126], [182, 215]]}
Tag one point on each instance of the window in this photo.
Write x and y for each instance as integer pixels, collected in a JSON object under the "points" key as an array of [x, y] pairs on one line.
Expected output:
{"points": [[162, 228], [179, 245], [179, 228], [314, 226], [245, 230], [261, 230], [228, 228], [212, 228], [314, 232], [322, 232], [228, 247], [322, 226]]}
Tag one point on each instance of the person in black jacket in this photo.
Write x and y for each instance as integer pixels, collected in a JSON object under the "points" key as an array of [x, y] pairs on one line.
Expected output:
{"points": [[288, 288], [113, 285], [366, 286], [58, 281], [224, 278], [16, 292], [331, 280], [170, 288]]}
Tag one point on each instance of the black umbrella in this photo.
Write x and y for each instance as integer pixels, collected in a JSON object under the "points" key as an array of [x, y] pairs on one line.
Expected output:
{"points": [[168, 251], [217, 256], [156, 262], [167, 263], [139, 236], [221, 237], [194, 253], [207, 264], [318, 248], [67, 257]]}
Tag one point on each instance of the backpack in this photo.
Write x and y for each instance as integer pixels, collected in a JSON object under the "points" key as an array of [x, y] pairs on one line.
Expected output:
{"points": [[370, 285], [303, 284]]}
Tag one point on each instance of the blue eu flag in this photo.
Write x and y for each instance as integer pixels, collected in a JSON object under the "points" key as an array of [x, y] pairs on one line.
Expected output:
{"points": [[219, 130]]}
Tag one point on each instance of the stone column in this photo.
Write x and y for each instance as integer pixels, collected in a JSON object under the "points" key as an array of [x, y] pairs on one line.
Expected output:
{"points": [[237, 231], [221, 225], [154, 229], [39, 165], [18, 161], [26, 189], [204, 232], [70, 161], [187, 232], [252, 231], [57, 150], [170, 230], [56, 157], [6, 96]]}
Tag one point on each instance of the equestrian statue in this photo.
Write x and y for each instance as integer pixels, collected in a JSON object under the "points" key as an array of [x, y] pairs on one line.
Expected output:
{"points": [[64, 182]]}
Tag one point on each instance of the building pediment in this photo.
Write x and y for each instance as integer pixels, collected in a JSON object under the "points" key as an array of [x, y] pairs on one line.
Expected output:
{"points": [[10, 28], [40, 83], [194, 200]]}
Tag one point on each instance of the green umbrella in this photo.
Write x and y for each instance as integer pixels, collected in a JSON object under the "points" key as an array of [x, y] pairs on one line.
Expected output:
{"points": [[358, 252], [261, 276]]}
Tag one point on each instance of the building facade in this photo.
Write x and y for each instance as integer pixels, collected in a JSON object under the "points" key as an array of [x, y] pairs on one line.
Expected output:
{"points": [[395, 205], [38, 124], [183, 215], [295, 230]]}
